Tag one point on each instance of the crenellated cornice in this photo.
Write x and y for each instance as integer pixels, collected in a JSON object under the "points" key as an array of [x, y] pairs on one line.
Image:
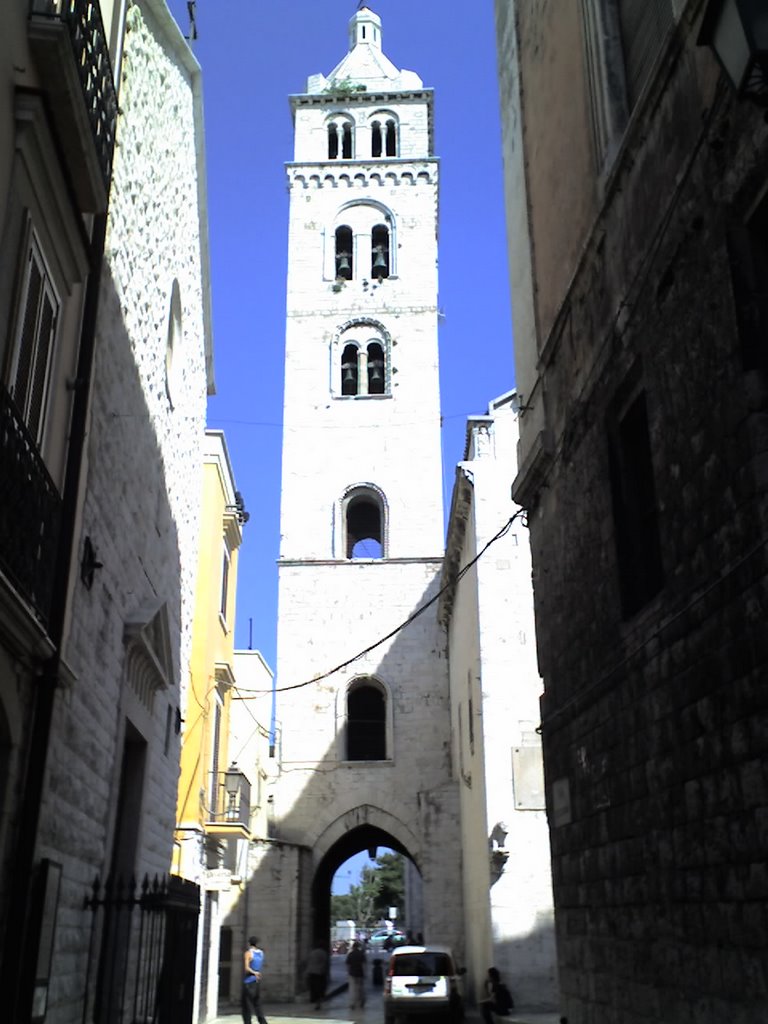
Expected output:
{"points": [[362, 174]]}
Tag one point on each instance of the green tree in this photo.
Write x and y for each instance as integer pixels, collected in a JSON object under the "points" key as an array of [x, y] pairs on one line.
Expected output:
{"points": [[380, 888], [390, 883]]}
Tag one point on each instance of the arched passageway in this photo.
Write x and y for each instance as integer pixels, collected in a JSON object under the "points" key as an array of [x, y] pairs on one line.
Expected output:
{"points": [[363, 837]]}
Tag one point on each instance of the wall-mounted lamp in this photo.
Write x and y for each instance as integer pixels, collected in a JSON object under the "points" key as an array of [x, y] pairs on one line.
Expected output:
{"points": [[737, 32]]}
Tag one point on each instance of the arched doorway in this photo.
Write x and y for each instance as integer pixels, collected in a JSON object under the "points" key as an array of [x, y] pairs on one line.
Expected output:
{"points": [[363, 837]]}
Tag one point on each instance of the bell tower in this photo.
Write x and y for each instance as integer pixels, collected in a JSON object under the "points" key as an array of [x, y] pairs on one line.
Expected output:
{"points": [[365, 744]]}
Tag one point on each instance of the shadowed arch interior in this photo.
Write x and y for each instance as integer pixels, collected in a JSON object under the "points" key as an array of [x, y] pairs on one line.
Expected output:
{"points": [[364, 526], [364, 837]]}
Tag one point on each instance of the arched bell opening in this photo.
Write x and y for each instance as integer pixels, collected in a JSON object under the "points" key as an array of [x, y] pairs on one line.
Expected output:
{"points": [[380, 252]]}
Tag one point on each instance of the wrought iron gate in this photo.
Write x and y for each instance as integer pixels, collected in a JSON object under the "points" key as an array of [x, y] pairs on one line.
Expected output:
{"points": [[141, 966]]}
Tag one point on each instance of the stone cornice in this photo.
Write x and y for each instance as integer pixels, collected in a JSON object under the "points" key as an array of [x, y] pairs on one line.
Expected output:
{"points": [[362, 173], [347, 99]]}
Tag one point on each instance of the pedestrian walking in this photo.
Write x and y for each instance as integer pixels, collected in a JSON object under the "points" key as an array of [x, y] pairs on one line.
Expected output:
{"points": [[356, 972], [253, 961], [317, 972]]}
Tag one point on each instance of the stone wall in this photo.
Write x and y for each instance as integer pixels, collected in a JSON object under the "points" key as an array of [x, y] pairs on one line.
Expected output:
{"points": [[654, 722], [143, 495]]}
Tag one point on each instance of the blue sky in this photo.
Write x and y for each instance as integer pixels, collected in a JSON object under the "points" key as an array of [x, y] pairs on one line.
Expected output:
{"points": [[253, 56]]}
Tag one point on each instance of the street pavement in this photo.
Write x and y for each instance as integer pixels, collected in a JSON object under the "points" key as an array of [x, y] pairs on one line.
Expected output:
{"points": [[336, 1009]]}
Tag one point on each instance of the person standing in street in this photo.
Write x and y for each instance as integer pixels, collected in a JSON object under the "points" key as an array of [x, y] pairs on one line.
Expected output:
{"points": [[317, 971], [253, 961], [356, 973]]}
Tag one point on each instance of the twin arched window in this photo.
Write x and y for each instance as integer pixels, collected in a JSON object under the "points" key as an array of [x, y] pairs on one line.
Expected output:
{"points": [[363, 369], [384, 138], [341, 136], [366, 721], [344, 253], [340, 139], [363, 366]]}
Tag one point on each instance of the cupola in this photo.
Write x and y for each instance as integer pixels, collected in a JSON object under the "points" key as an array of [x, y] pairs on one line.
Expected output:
{"points": [[365, 29]]}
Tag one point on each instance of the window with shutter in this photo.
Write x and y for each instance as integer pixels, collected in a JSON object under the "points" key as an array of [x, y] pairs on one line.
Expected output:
{"points": [[622, 39], [35, 333], [643, 25]]}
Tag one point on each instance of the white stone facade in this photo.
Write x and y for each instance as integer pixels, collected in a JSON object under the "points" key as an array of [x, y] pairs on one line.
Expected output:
{"points": [[362, 424], [495, 690], [129, 642]]}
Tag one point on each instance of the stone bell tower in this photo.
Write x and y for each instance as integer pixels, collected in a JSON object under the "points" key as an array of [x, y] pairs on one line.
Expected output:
{"points": [[365, 747]]}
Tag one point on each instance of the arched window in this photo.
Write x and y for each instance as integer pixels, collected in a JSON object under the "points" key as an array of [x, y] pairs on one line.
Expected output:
{"points": [[376, 147], [364, 524], [349, 370], [366, 721], [340, 137], [376, 369], [391, 138], [361, 360], [380, 252], [333, 141], [344, 254]]}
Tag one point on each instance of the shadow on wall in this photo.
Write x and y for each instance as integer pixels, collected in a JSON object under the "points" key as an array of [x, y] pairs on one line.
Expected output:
{"points": [[345, 803], [407, 800], [112, 810]]}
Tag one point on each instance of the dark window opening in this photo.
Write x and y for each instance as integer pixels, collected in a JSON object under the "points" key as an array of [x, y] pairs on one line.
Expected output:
{"points": [[380, 251], [363, 31], [638, 547], [36, 331], [427, 965], [346, 142], [748, 253], [349, 371], [375, 139], [376, 369], [364, 528], [344, 252], [366, 724], [217, 793], [224, 584], [333, 142], [391, 139]]}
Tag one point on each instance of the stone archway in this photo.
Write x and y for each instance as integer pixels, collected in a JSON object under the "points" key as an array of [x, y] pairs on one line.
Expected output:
{"points": [[366, 836]]}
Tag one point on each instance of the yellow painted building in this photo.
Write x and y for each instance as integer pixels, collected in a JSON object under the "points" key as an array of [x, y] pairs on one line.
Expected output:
{"points": [[213, 812]]}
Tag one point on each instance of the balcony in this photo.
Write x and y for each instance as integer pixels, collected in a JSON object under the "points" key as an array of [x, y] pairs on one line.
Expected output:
{"points": [[230, 813], [72, 57], [30, 513]]}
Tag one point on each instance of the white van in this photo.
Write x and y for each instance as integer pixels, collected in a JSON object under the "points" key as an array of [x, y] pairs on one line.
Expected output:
{"points": [[423, 979]]}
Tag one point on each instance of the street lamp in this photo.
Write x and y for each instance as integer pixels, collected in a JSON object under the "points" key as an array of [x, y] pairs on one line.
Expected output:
{"points": [[235, 784], [737, 32]]}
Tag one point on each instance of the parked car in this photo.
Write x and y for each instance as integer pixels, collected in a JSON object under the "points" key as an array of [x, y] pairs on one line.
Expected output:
{"points": [[377, 940], [423, 979]]}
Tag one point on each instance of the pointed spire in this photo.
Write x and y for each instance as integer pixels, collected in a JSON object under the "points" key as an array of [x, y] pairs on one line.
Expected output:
{"points": [[364, 28]]}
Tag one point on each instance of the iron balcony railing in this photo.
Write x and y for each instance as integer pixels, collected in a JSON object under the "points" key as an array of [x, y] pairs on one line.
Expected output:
{"points": [[30, 513], [94, 68]]}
